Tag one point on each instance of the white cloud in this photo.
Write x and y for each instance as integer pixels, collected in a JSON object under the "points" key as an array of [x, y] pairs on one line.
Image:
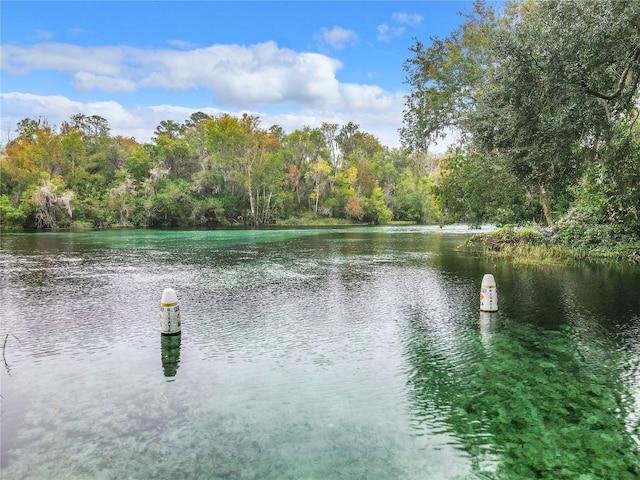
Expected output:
{"points": [[65, 58], [182, 44], [387, 32], [383, 32], [376, 111], [371, 99], [58, 108], [412, 19], [238, 76], [76, 31], [337, 38], [87, 81], [44, 35]]}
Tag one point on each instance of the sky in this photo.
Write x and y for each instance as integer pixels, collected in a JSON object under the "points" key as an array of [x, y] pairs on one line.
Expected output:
{"points": [[291, 63]]}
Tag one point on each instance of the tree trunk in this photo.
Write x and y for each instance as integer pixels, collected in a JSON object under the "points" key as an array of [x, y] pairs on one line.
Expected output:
{"points": [[546, 206], [252, 200]]}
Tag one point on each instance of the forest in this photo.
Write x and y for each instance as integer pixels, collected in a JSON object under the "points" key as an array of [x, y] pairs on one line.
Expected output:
{"points": [[209, 171], [543, 96]]}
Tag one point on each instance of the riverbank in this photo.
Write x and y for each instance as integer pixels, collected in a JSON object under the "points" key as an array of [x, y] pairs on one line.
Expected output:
{"points": [[537, 245], [289, 222]]}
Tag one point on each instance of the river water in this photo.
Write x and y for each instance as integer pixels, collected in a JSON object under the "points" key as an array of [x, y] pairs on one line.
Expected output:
{"points": [[347, 353]]}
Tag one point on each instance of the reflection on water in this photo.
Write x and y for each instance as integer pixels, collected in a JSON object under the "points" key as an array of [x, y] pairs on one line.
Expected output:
{"points": [[170, 350], [489, 323], [312, 353], [532, 405]]}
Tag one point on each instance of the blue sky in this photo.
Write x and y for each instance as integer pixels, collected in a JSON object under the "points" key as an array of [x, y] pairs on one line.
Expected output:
{"points": [[292, 63]]}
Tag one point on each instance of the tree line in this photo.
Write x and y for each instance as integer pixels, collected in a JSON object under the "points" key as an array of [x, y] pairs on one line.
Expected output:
{"points": [[208, 171]]}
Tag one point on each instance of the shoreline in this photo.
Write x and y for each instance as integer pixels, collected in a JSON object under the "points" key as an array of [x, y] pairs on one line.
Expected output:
{"points": [[542, 246]]}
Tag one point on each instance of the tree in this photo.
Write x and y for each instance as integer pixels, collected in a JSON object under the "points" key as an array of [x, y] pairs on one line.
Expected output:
{"points": [[446, 79], [104, 154], [606, 210], [263, 170], [346, 138], [479, 188], [75, 155], [224, 142], [330, 131], [301, 150], [353, 208], [172, 205], [11, 216], [176, 155], [375, 208], [50, 204], [19, 169], [195, 119], [209, 171], [565, 76], [413, 200], [139, 163], [544, 86], [277, 132], [344, 199], [268, 183], [195, 134], [120, 197], [37, 150], [319, 176], [28, 128], [169, 129]]}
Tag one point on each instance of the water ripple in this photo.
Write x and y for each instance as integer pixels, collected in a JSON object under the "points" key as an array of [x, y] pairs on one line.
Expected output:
{"points": [[340, 353]]}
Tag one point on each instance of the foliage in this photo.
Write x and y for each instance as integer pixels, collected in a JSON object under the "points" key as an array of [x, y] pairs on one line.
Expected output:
{"points": [[12, 216], [545, 85], [544, 97], [563, 80], [375, 210], [413, 199], [479, 188], [573, 242], [211, 170], [447, 78]]}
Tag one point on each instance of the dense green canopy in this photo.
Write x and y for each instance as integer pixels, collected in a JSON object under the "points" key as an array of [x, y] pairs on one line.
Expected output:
{"points": [[544, 92], [208, 171]]}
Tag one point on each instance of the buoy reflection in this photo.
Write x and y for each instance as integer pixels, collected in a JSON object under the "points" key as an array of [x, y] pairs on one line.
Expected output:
{"points": [[489, 323], [170, 351]]}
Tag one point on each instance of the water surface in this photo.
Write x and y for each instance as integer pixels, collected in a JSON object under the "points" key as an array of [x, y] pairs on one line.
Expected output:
{"points": [[355, 353]]}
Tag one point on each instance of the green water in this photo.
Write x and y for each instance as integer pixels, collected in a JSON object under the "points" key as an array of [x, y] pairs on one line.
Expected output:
{"points": [[351, 353]]}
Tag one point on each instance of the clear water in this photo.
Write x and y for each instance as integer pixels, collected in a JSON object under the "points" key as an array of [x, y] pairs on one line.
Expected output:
{"points": [[353, 353]]}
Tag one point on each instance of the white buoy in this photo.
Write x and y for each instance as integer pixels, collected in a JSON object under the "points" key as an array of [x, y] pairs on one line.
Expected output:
{"points": [[488, 294], [170, 323]]}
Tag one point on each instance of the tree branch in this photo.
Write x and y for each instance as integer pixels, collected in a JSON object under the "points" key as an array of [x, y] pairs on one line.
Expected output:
{"points": [[621, 82], [535, 61]]}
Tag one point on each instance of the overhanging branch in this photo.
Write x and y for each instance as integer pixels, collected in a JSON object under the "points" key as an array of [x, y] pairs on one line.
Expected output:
{"points": [[621, 83]]}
